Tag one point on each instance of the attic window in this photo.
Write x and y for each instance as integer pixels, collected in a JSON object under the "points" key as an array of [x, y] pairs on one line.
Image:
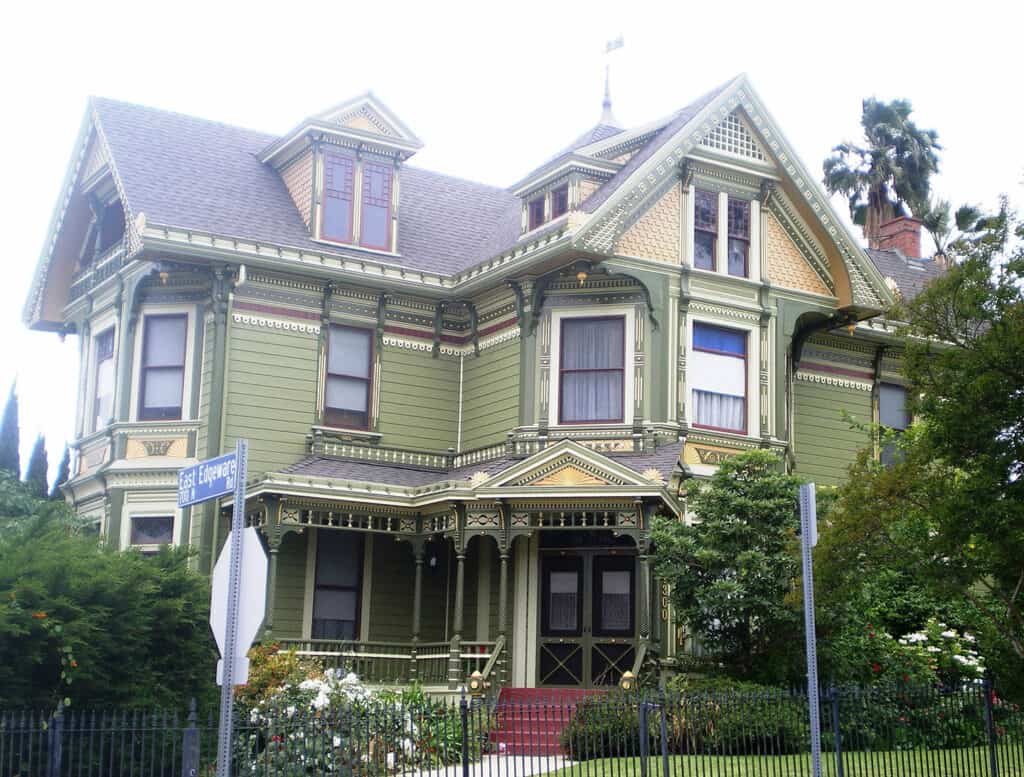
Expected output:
{"points": [[560, 201], [111, 227], [339, 173], [375, 220], [536, 207], [732, 137]]}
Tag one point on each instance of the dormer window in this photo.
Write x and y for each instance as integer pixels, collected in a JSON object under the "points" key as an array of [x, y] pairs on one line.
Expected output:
{"points": [[705, 229], [339, 177], [375, 219], [559, 201], [536, 207]]}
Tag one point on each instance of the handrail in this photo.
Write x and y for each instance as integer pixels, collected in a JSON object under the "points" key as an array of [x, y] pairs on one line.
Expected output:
{"points": [[638, 662], [495, 652]]}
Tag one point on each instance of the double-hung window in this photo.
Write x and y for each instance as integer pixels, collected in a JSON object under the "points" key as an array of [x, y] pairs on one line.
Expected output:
{"points": [[103, 400], [339, 561], [705, 229], [592, 370], [535, 210], [892, 414], [375, 214], [720, 378], [337, 205], [347, 384], [739, 236], [163, 368], [559, 201]]}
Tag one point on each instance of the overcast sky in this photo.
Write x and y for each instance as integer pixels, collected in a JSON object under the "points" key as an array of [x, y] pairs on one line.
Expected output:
{"points": [[491, 88]]}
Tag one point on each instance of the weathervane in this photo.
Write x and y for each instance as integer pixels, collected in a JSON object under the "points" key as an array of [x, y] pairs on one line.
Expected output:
{"points": [[607, 117]]}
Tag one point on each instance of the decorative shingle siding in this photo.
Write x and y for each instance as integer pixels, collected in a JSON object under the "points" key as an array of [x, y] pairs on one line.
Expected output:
{"points": [[419, 398], [786, 265], [655, 235], [490, 391], [271, 393], [824, 443], [298, 177], [291, 586]]}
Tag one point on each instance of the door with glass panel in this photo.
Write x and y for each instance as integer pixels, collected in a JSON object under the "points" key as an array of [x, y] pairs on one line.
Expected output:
{"points": [[587, 618]]}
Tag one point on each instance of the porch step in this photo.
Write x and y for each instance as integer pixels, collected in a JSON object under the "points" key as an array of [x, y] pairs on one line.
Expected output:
{"points": [[530, 720]]}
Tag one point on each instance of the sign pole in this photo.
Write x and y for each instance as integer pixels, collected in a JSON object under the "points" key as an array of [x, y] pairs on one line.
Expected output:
{"points": [[808, 539], [227, 698]]}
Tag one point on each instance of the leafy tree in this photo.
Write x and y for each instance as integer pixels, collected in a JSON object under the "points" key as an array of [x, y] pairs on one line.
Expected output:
{"points": [[890, 173], [63, 475], [38, 467], [10, 459], [82, 621], [731, 570]]}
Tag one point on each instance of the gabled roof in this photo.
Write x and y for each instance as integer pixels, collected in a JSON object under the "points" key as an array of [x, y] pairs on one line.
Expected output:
{"points": [[910, 275]]}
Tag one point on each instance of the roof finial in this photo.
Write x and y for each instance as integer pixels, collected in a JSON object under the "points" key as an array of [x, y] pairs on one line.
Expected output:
{"points": [[607, 117]]}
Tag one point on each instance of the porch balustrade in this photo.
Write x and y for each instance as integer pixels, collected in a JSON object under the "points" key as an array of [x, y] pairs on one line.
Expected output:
{"points": [[398, 662]]}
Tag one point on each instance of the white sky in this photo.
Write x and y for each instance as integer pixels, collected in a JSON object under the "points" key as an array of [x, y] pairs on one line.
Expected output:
{"points": [[492, 89]]}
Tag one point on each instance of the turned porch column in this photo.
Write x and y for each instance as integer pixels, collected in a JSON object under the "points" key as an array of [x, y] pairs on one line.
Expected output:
{"points": [[645, 595], [503, 615], [272, 529], [455, 652], [418, 551]]}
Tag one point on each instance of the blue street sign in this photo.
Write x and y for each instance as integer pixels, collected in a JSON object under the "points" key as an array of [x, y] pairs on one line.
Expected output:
{"points": [[207, 479]]}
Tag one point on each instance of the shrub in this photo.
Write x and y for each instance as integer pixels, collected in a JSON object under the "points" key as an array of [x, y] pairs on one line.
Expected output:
{"points": [[604, 726]]}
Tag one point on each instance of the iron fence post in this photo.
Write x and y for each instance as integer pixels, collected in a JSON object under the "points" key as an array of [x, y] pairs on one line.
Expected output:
{"points": [[464, 717], [645, 743], [833, 695], [53, 742], [990, 728], [190, 744], [664, 732]]}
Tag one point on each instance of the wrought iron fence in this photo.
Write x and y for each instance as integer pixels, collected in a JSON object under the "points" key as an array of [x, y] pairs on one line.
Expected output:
{"points": [[968, 731]]}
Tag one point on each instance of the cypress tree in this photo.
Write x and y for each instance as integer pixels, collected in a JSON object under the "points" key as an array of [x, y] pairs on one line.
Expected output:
{"points": [[10, 460], [63, 474], [35, 475]]}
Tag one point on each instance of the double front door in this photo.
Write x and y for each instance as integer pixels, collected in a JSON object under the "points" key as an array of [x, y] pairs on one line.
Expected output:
{"points": [[587, 617]]}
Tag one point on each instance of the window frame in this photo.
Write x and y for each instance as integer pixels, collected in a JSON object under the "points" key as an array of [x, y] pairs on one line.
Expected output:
{"points": [[357, 589], [353, 162], [149, 505], [363, 183], [531, 224], [141, 414], [730, 236], [886, 456], [559, 192], [691, 382], [150, 545], [697, 192], [371, 356], [562, 370], [111, 330]]}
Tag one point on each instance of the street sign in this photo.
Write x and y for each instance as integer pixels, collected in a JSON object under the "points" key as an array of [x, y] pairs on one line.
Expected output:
{"points": [[207, 479], [252, 601]]}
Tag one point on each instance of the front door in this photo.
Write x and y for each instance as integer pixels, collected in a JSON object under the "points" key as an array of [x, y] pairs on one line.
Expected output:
{"points": [[587, 617]]}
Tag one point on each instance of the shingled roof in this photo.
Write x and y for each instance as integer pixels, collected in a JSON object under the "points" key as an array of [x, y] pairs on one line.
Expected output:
{"points": [[195, 174], [910, 275]]}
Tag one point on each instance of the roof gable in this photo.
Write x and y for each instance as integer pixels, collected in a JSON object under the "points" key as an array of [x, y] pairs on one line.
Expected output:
{"points": [[567, 464]]}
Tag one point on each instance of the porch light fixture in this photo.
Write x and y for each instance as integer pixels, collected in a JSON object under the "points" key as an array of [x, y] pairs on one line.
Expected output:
{"points": [[628, 681], [581, 276], [476, 683]]}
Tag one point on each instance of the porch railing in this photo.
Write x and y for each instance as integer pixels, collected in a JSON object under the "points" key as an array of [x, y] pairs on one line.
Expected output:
{"points": [[395, 662]]}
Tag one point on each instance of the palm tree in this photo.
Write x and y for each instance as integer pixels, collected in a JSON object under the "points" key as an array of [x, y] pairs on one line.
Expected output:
{"points": [[948, 228], [890, 174]]}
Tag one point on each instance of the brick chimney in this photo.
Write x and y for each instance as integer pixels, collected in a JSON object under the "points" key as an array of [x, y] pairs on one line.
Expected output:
{"points": [[903, 234]]}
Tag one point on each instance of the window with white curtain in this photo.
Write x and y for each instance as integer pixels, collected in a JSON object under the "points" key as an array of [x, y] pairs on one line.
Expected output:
{"points": [[592, 370], [163, 368], [103, 401], [347, 384], [892, 414], [719, 370]]}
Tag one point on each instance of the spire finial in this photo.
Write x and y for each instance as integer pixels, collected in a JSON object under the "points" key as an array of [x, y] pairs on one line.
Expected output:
{"points": [[607, 117]]}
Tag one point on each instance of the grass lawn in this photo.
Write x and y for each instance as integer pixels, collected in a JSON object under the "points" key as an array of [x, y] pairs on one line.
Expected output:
{"points": [[966, 762]]}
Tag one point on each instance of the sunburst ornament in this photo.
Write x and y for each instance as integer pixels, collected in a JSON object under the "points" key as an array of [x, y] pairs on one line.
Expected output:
{"points": [[653, 475], [479, 478]]}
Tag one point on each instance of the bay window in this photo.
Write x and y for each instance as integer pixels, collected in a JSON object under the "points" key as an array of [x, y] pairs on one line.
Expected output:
{"points": [[103, 398], [739, 236], [719, 367], [347, 382], [375, 214], [339, 563], [162, 370], [705, 229], [337, 204], [592, 370]]}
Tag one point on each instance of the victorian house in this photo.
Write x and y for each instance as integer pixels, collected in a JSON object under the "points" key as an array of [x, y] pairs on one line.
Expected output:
{"points": [[464, 403]]}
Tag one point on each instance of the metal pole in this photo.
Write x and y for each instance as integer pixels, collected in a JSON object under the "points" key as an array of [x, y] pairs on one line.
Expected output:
{"points": [[833, 695], [464, 719], [645, 743], [808, 539], [227, 688], [987, 689]]}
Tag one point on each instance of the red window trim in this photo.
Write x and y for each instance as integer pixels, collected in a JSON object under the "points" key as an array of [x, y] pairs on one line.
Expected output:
{"points": [[386, 246], [143, 415], [562, 371], [746, 375], [368, 379], [351, 201]]}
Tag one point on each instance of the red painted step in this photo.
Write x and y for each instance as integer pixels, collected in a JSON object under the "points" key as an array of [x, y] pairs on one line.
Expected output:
{"points": [[530, 720]]}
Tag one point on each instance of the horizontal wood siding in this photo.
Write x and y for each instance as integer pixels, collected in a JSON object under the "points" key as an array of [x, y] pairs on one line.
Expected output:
{"points": [[291, 587], [490, 395], [825, 444], [418, 399], [270, 394]]}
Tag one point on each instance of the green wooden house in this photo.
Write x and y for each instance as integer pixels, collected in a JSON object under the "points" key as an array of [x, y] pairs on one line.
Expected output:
{"points": [[464, 403]]}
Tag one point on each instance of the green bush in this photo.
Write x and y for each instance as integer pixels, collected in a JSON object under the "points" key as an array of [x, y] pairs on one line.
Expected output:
{"points": [[604, 726]]}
